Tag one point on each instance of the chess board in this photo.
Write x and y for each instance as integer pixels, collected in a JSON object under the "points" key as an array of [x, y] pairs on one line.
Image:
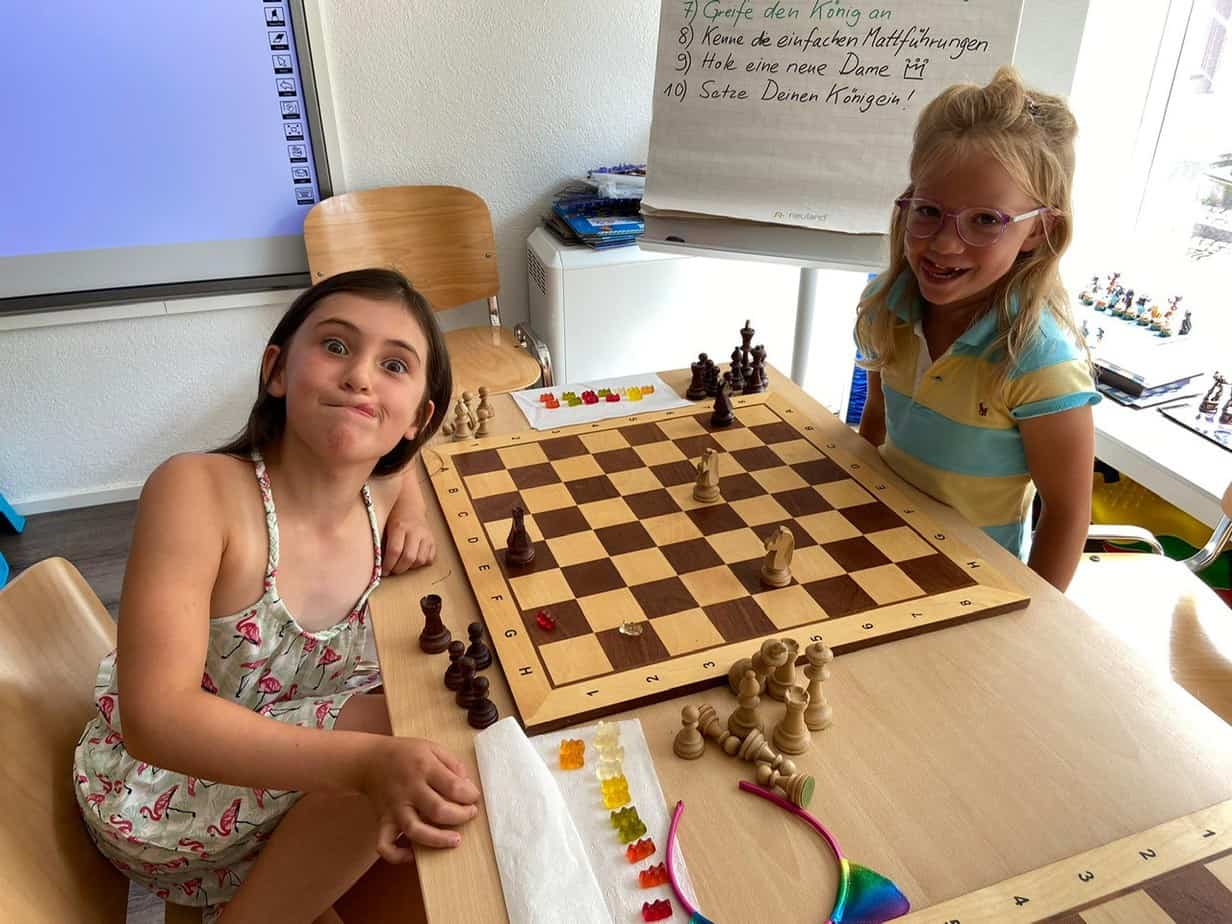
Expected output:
{"points": [[1179, 871], [654, 593]]}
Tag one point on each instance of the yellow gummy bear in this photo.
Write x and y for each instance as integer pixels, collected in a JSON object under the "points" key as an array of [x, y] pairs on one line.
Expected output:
{"points": [[615, 792]]}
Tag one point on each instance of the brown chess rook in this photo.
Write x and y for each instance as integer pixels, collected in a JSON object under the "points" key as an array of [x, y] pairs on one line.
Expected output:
{"points": [[435, 635]]}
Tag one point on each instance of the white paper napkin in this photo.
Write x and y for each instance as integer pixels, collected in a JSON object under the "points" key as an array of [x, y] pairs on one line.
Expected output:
{"points": [[534, 830], [541, 418]]}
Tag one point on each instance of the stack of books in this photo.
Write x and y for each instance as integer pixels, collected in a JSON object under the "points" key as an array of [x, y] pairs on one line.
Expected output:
{"points": [[601, 211]]}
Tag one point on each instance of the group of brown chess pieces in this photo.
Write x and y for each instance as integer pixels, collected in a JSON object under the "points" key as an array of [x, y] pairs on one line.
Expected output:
{"points": [[771, 671], [464, 662], [747, 376], [471, 416], [780, 544]]}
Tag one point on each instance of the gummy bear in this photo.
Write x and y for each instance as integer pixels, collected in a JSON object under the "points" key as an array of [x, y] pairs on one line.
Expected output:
{"points": [[640, 851], [545, 620], [657, 910], [647, 389], [612, 397], [634, 394], [629, 826], [615, 791], [609, 767], [571, 754], [652, 876], [607, 734], [603, 392], [546, 398]]}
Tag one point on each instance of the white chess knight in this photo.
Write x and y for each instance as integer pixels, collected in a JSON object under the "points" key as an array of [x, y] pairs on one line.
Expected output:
{"points": [[706, 490], [780, 545]]}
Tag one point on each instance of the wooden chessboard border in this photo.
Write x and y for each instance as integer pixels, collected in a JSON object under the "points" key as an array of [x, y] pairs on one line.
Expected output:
{"points": [[543, 706], [1100, 875]]}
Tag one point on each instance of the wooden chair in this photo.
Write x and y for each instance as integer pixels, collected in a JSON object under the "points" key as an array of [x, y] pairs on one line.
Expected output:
{"points": [[1162, 610], [53, 633], [439, 237]]}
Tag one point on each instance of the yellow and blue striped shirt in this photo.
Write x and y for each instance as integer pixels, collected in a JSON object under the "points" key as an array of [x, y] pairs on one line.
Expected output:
{"points": [[953, 436]]}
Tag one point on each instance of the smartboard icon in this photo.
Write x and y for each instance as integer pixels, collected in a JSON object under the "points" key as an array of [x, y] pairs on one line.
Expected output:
{"points": [[285, 86], [294, 131], [290, 109], [282, 64], [297, 153], [279, 41], [304, 197], [274, 16], [300, 175]]}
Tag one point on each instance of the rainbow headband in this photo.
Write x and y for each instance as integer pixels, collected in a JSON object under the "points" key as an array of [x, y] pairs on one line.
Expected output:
{"points": [[864, 896]]}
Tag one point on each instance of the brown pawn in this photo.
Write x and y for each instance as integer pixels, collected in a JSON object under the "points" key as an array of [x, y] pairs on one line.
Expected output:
{"points": [[819, 715], [482, 711], [712, 726], [791, 736], [798, 786], [466, 692], [435, 635], [784, 675], [453, 674], [478, 651], [744, 719], [689, 743]]}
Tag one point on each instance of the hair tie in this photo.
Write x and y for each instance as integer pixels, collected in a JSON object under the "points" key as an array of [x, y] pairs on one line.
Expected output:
{"points": [[1032, 107]]}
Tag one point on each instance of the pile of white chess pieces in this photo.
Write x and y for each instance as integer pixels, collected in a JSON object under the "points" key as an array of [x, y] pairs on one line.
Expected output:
{"points": [[471, 416], [770, 671]]}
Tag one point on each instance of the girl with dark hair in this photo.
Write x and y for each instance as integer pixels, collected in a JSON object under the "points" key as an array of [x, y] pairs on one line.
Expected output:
{"points": [[231, 762]]}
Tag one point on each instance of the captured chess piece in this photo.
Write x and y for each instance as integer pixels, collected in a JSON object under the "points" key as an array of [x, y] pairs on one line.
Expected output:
{"points": [[744, 719], [697, 387], [478, 651], [706, 489], [482, 711], [484, 413], [468, 401], [776, 569], [1210, 402], [689, 743], [462, 429], [798, 787], [771, 654], [783, 677], [819, 715], [453, 673], [466, 692], [712, 378], [1225, 416], [519, 551], [723, 416], [737, 373], [435, 635], [791, 735]]}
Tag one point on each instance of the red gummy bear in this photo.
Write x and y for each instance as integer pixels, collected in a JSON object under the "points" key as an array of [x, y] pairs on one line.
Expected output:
{"points": [[612, 396], [545, 620], [656, 911], [640, 851], [652, 876]]}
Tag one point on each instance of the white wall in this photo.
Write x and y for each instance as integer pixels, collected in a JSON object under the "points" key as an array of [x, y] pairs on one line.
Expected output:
{"points": [[508, 98]]}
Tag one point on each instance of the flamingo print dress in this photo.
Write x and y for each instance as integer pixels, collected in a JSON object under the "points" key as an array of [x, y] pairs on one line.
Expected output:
{"points": [[189, 840]]}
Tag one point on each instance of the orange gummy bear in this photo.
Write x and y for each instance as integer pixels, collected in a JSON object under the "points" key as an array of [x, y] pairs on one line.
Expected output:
{"points": [[640, 851]]}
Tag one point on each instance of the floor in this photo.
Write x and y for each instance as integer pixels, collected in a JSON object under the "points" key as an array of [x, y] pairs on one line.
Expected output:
{"points": [[94, 539]]}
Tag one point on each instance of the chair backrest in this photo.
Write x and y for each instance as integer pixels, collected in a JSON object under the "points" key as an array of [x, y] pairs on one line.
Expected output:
{"points": [[53, 632], [439, 237]]}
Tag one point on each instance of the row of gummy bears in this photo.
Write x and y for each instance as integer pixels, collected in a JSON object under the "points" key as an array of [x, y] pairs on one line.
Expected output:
{"points": [[549, 400], [629, 827]]}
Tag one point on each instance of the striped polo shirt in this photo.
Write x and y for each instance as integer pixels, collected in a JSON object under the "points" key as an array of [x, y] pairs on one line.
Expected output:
{"points": [[952, 435]]}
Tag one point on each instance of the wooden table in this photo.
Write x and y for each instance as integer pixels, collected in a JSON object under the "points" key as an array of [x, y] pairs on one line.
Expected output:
{"points": [[958, 758]]}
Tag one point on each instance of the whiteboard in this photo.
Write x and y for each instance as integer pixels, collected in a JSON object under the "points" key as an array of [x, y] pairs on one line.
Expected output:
{"points": [[800, 112]]}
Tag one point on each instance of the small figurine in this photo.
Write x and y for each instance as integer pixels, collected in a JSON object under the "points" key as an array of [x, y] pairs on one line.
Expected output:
{"points": [[1186, 323]]}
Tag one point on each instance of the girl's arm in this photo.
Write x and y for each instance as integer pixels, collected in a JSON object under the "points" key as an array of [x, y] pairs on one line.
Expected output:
{"points": [[169, 721], [872, 420], [408, 541], [1060, 452]]}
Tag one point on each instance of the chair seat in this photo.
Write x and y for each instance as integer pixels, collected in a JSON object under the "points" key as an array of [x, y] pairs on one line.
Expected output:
{"points": [[489, 356], [1167, 615]]}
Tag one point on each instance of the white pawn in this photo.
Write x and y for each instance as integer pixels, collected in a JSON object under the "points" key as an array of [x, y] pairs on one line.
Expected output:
{"points": [[744, 719], [689, 743]]}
